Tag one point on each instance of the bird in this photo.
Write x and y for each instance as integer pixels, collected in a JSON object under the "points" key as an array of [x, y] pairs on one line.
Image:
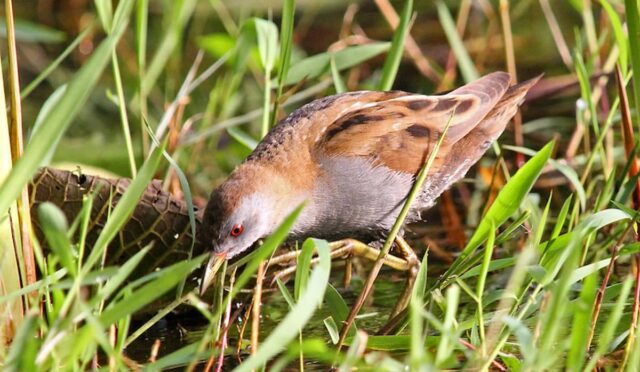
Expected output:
{"points": [[352, 159]]}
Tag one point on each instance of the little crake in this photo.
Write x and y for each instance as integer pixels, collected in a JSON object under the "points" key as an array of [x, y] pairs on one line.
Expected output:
{"points": [[353, 158]]}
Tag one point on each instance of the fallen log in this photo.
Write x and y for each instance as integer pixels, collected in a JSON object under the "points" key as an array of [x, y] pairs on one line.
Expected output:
{"points": [[159, 218]]}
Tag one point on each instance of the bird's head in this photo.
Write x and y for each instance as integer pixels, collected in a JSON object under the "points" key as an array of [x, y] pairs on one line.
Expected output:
{"points": [[238, 214], [233, 226]]}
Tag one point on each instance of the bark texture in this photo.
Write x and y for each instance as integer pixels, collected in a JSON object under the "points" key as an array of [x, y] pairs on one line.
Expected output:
{"points": [[159, 218]]}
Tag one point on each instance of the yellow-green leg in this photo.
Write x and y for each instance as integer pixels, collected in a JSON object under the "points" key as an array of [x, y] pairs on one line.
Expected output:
{"points": [[349, 248], [346, 248], [413, 263]]}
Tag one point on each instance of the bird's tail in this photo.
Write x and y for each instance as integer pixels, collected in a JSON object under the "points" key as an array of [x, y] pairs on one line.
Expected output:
{"points": [[476, 142]]}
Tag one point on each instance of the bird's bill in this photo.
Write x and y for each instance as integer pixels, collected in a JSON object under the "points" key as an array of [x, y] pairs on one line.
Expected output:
{"points": [[216, 260]]}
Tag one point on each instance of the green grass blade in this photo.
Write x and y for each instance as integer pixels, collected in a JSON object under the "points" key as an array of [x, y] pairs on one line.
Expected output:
{"points": [[509, 231], [285, 293], [52, 101], [287, 330], [177, 358], [391, 64], [581, 318], [186, 191], [142, 20], [358, 343], [30, 32], [24, 93], [448, 340], [507, 202], [304, 264], [169, 278], [555, 257], [609, 329], [634, 355], [566, 170], [55, 227], [632, 12], [284, 59], [23, 350], [562, 217], [242, 137], [125, 207], [619, 35], [120, 277], [467, 68], [286, 41], [332, 327], [494, 265], [557, 309], [180, 14], [124, 117], [141, 30], [338, 83], [267, 39], [524, 338], [417, 354], [606, 193], [480, 287], [314, 66], [338, 308], [104, 8]]}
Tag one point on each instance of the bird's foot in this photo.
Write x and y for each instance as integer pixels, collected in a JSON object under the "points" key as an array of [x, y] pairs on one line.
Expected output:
{"points": [[412, 260], [346, 248], [349, 248]]}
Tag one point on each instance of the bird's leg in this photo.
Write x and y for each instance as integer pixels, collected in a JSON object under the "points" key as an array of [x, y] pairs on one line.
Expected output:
{"points": [[407, 252], [342, 248], [348, 271], [412, 260]]}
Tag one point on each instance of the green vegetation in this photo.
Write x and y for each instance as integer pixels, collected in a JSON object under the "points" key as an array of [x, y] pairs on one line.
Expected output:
{"points": [[547, 275]]}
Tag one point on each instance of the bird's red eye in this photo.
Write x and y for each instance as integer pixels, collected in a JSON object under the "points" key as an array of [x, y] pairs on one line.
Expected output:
{"points": [[237, 230]]}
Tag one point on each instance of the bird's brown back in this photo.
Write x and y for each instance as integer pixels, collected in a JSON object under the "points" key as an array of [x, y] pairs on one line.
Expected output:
{"points": [[393, 129]]}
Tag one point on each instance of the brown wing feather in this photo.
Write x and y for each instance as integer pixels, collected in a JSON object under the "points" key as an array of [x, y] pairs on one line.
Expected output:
{"points": [[476, 142], [468, 150], [399, 132]]}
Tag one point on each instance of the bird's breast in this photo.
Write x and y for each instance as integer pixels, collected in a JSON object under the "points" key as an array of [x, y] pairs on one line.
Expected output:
{"points": [[353, 197]]}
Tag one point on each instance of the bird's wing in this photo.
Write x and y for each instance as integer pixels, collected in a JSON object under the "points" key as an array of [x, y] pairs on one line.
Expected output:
{"points": [[469, 149], [399, 132]]}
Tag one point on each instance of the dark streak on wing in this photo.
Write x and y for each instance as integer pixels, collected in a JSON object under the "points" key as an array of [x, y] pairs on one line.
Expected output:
{"points": [[350, 121], [373, 114], [417, 130]]}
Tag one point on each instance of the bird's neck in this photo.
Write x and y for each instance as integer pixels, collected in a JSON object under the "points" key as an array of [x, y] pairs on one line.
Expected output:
{"points": [[284, 192]]}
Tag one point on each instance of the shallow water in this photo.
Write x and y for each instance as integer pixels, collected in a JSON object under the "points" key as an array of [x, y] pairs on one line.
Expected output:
{"points": [[184, 328]]}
